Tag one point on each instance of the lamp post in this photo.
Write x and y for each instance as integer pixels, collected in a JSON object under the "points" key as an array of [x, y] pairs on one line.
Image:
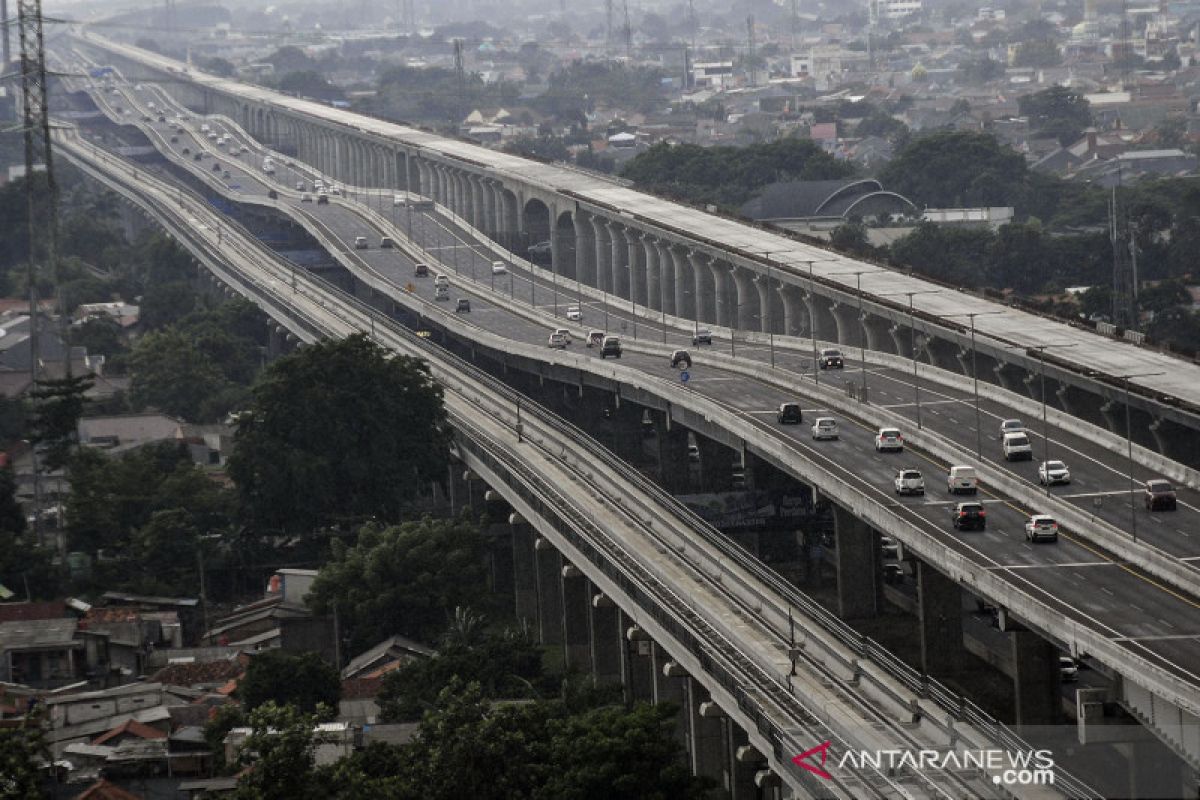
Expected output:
{"points": [[812, 323], [1042, 348], [912, 344], [862, 321], [975, 375], [1129, 449]]}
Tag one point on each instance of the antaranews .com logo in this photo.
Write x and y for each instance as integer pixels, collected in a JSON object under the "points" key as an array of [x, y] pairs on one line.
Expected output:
{"points": [[1007, 767]]}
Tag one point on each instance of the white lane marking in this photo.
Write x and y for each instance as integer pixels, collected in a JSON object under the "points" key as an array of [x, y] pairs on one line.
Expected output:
{"points": [[1159, 638], [1073, 564]]}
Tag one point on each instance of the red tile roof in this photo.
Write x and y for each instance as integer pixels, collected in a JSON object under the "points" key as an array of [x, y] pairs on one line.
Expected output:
{"points": [[112, 614], [192, 674], [103, 790], [133, 728], [20, 612], [361, 688]]}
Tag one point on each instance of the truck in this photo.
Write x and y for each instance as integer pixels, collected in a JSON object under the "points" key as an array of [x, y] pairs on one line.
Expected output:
{"points": [[268, 166]]}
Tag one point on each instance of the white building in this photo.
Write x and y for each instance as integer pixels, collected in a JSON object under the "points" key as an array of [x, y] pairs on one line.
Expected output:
{"points": [[882, 10], [712, 74]]}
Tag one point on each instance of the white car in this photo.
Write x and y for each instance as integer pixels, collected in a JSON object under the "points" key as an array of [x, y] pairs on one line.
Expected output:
{"points": [[557, 341], [1011, 426], [909, 481], [825, 428], [498, 268], [889, 439], [1068, 669], [962, 478], [564, 333], [1041, 526], [1052, 472], [574, 313]]}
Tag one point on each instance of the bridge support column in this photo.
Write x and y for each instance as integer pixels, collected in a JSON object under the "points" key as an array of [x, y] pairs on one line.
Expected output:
{"points": [[939, 612], [794, 316], [524, 559], [667, 278], [706, 754], [637, 666], [576, 605], [857, 556], [1035, 679], [845, 318], [603, 248], [716, 465], [684, 288], [654, 269], [618, 237], [704, 294], [548, 563], [673, 470], [722, 293], [605, 638], [636, 260], [669, 680], [747, 312], [744, 762], [585, 250], [1154, 771]]}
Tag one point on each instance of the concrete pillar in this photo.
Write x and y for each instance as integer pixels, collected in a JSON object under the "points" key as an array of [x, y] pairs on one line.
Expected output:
{"points": [[606, 640], [685, 284], [845, 317], [795, 316], [1154, 771], [722, 292], [585, 249], [524, 570], [1035, 679], [857, 566], [636, 259], [549, 592], [603, 250], [706, 756], [637, 666], [575, 629], [674, 470], [478, 216], [617, 237], [669, 687], [744, 762], [748, 310], [939, 612], [716, 465], [666, 277], [704, 290]]}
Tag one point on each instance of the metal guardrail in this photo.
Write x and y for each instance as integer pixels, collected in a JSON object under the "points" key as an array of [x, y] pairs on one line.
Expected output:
{"points": [[957, 706]]}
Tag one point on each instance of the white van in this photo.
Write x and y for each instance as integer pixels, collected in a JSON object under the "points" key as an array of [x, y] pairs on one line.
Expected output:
{"points": [[1017, 447], [441, 281], [962, 480], [441, 293]]}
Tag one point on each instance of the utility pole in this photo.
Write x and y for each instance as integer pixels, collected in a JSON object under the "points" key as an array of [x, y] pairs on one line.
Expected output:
{"points": [[608, 29], [1124, 303], [42, 206], [628, 31], [750, 49], [795, 23], [460, 78], [7, 50]]}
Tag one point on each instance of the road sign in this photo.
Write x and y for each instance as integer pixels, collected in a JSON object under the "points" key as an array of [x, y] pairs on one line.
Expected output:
{"points": [[684, 376]]}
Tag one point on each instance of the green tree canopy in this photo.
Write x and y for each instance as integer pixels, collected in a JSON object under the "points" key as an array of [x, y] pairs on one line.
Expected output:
{"points": [[406, 579], [956, 169], [281, 751], [170, 373], [1057, 111], [302, 680], [341, 431], [22, 752], [58, 403]]}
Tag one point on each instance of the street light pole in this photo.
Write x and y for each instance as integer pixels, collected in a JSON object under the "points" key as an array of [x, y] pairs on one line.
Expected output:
{"points": [[975, 374], [812, 323], [862, 322], [770, 315], [1129, 449], [1041, 348], [912, 344]]}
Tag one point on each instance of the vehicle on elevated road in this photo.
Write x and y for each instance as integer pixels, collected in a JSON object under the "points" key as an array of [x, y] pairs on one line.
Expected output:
{"points": [[969, 517], [595, 338], [831, 358], [962, 479], [702, 336], [909, 481], [498, 268], [1159, 494], [1041, 527], [558, 341], [1053, 472], [889, 440], [611, 347], [574, 313], [681, 358], [825, 428], [789, 414], [463, 306], [1016, 447]]}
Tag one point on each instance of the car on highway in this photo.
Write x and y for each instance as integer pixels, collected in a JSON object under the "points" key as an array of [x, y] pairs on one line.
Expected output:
{"points": [[498, 268], [889, 439], [702, 336], [441, 279], [789, 414], [1016, 447], [909, 481], [566, 334], [681, 358], [575, 313], [1068, 669], [174, 140], [611, 347], [187, 151], [1053, 472], [225, 175], [386, 243], [198, 156], [272, 194], [441, 293], [322, 199], [306, 198], [825, 428], [540, 249], [557, 341], [420, 270], [1159, 494], [216, 167], [961, 479], [300, 187], [831, 359], [969, 517], [595, 338], [1041, 527], [1011, 426], [463, 306], [360, 243]]}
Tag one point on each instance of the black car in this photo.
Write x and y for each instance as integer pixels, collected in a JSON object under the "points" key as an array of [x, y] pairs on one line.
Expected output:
{"points": [[216, 166], [681, 358], [322, 199], [969, 517], [198, 156], [1159, 494], [464, 305], [831, 359], [702, 336], [187, 151], [789, 414], [274, 195], [610, 347]]}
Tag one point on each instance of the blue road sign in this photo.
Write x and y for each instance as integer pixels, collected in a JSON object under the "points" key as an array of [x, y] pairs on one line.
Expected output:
{"points": [[684, 376]]}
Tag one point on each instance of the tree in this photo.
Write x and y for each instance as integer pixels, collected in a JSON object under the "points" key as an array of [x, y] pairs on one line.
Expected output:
{"points": [[166, 303], [339, 431], [1096, 301], [281, 751], [221, 721], [955, 169], [171, 374], [22, 752], [310, 83], [1164, 295], [505, 666], [219, 66], [1057, 111], [1038, 53], [949, 254], [980, 70], [301, 680], [99, 335], [405, 579], [1178, 327], [58, 404], [850, 237], [546, 148]]}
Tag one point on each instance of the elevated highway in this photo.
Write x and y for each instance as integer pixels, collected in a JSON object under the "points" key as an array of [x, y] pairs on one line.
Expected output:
{"points": [[675, 262], [1046, 574], [784, 673]]}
